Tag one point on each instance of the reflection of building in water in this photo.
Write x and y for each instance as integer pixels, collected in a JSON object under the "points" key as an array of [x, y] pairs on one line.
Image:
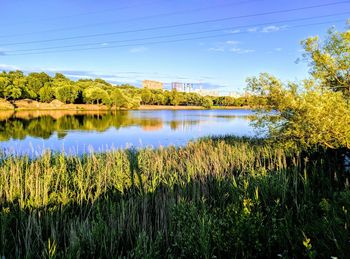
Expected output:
{"points": [[183, 125], [150, 84], [151, 125]]}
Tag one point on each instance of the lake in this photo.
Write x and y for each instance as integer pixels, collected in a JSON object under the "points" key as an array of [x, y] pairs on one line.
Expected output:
{"points": [[31, 132]]}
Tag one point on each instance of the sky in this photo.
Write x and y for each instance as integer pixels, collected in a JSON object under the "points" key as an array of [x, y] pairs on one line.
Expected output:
{"points": [[215, 44]]}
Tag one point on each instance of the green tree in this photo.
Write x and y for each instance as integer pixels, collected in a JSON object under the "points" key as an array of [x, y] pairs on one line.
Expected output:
{"points": [[96, 95], [146, 96], [119, 100], [66, 93], [207, 102], [305, 115], [329, 60], [174, 98], [4, 82], [46, 94]]}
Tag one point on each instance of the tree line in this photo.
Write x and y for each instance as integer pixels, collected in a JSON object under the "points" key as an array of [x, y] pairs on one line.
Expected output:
{"points": [[15, 85]]}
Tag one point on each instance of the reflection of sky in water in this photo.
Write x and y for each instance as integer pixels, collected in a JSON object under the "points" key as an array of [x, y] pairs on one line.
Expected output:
{"points": [[171, 128]]}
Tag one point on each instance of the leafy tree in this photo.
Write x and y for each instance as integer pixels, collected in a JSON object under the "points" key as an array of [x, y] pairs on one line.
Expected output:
{"points": [[66, 93], [60, 77], [46, 93], [329, 60], [119, 100], [146, 96], [12, 92], [315, 113], [309, 117], [96, 95], [207, 102], [174, 98], [35, 81], [4, 82]]}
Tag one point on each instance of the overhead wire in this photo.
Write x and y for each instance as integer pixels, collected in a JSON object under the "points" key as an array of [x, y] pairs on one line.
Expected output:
{"points": [[131, 19], [177, 25], [159, 42], [179, 34]]}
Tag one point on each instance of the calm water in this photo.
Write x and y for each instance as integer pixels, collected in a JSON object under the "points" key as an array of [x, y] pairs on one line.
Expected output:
{"points": [[33, 132]]}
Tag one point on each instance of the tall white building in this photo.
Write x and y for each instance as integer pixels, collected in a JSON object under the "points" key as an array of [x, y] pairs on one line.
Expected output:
{"points": [[182, 87]]}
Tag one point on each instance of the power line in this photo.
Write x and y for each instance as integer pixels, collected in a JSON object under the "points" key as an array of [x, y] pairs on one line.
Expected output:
{"points": [[161, 42], [180, 34], [180, 25], [132, 19], [86, 13]]}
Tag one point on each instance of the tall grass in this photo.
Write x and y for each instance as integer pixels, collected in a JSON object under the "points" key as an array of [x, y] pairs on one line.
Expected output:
{"points": [[221, 197]]}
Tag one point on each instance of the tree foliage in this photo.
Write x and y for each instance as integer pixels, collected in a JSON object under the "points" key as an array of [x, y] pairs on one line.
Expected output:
{"points": [[315, 112], [329, 60], [14, 85]]}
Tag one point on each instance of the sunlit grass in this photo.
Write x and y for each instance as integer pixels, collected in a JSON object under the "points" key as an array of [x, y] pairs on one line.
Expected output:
{"points": [[222, 197]]}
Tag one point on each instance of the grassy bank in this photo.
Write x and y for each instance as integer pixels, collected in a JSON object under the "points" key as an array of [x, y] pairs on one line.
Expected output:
{"points": [[228, 198], [31, 105]]}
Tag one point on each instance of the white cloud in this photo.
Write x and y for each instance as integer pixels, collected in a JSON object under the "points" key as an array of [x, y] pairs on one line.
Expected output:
{"points": [[138, 50], [104, 44], [272, 28], [218, 49], [232, 42], [253, 29], [241, 51], [8, 67], [278, 49], [234, 31]]}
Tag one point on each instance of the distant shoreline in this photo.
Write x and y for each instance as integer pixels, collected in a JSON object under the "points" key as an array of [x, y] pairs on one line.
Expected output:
{"points": [[31, 105]]}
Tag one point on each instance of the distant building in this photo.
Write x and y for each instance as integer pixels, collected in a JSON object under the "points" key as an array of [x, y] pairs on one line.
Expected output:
{"points": [[177, 86], [150, 84], [182, 87], [204, 92], [234, 94]]}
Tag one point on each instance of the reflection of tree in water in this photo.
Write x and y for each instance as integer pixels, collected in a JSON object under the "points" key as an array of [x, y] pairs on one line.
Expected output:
{"points": [[44, 126]]}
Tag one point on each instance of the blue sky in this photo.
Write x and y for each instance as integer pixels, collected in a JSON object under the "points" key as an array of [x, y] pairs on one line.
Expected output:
{"points": [[123, 42]]}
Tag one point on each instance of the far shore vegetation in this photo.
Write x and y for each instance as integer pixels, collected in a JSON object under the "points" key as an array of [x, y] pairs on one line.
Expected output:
{"points": [[284, 196], [41, 91]]}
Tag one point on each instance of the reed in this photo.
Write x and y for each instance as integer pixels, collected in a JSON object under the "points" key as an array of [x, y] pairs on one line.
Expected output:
{"points": [[217, 197]]}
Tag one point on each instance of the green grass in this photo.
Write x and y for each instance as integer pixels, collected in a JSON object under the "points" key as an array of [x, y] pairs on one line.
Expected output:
{"points": [[222, 197]]}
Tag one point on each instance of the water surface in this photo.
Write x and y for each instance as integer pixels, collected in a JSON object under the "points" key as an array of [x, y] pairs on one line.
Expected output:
{"points": [[32, 132]]}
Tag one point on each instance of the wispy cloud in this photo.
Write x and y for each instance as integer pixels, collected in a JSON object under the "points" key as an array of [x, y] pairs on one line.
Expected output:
{"points": [[272, 28], [138, 49], [253, 29], [232, 42], [231, 46], [278, 49], [217, 49], [234, 31], [267, 29], [241, 51], [8, 67]]}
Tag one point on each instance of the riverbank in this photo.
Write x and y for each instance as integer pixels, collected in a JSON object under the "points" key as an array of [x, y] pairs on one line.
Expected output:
{"points": [[214, 198], [27, 104]]}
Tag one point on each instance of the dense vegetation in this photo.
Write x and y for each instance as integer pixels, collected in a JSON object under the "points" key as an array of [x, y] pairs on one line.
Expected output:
{"points": [[223, 197], [315, 112], [14, 85], [284, 196]]}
